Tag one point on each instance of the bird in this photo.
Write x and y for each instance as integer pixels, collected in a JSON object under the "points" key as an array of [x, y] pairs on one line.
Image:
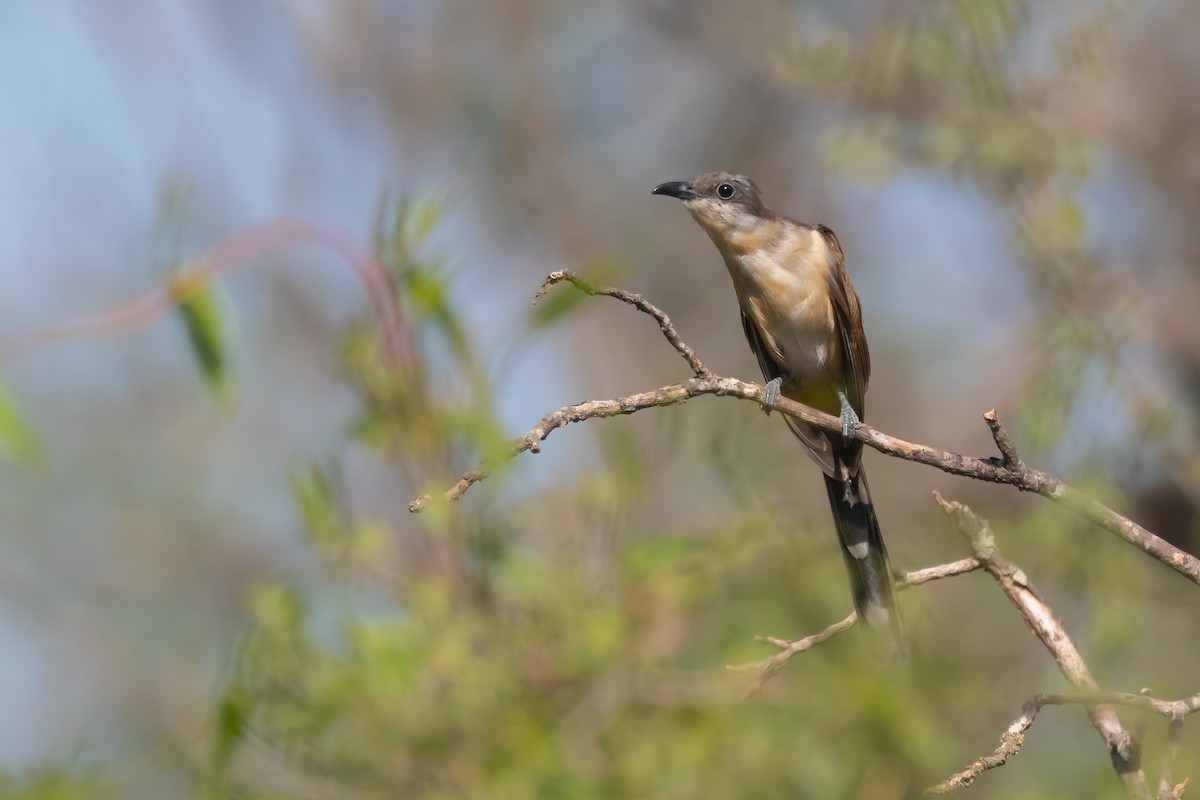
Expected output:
{"points": [[803, 321]]}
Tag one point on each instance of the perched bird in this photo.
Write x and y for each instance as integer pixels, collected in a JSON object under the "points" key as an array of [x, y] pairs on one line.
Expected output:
{"points": [[802, 318]]}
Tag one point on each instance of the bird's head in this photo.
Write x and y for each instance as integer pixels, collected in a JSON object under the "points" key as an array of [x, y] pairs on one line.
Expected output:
{"points": [[722, 202]]}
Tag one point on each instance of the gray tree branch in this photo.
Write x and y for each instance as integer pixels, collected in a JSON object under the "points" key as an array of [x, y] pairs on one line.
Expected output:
{"points": [[1120, 743], [1006, 470]]}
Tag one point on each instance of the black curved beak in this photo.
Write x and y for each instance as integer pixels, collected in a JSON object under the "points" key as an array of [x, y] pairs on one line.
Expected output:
{"points": [[676, 189]]}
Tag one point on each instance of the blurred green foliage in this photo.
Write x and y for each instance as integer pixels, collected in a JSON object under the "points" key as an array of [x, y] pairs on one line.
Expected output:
{"points": [[533, 648], [208, 321], [570, 641], [19, 440], [502, 663], [55, 784]]}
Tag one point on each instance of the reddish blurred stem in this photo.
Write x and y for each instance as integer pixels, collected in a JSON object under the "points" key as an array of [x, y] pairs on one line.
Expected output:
{"points": [[232, 253]]}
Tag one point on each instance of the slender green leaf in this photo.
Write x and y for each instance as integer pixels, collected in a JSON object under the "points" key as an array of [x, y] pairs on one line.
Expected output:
{"points": [[552, 306], [230, 728], [419, 218], [318, 507], [210, 332], [19, 442]]}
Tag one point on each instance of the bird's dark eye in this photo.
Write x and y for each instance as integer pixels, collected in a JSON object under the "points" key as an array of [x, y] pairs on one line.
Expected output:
{"points": [[725, 191]]}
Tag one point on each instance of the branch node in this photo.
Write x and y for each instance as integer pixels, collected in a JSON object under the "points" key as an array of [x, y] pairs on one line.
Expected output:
{"points": [[1004, 443], [782, 644], [973, 528]]}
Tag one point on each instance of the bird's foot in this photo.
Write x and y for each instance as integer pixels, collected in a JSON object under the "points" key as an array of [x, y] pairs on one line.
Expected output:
{"points": [[771, 393], [850, 420]]}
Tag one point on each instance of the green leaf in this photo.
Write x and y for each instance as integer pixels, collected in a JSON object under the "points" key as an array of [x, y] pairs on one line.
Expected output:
{"points": [[868, 152], [419, 218], [54, 782], [210, 332], [277, 609], [554, 305], [1058, 224], [317, 506], [19, 442], [565, 298], [230, 728]]}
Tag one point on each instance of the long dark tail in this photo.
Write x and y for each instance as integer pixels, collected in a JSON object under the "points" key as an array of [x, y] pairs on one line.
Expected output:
{"points": [[866, 557]]}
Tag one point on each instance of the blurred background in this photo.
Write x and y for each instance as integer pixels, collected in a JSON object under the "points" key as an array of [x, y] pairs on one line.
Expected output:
{"points": [[222, 593]]}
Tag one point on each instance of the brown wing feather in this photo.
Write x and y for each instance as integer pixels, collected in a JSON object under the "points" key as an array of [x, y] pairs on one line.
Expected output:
{"points": [[770, 369], [849, 322]]}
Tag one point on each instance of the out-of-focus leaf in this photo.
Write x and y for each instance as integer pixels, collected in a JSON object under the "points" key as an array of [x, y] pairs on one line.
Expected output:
{"points": [[1048, 403], [54, 783], [427, 286], [554, 305], [827, 66], [322, 517], [563, 299], [419, 217], [330, 527], [210, 332], [1091, 45], [19, 442], [1057, 224], [371, 541], [865, 152], [991, 26], [277, 610], [230, 728], [652, 556], [481, 429]]}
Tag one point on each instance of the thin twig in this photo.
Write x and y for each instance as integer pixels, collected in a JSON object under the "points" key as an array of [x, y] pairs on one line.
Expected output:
{"points": [[531, 440], [1171, 709], [917, 577], [1167, 791], [1012, 738], [225, 256], [635, 300], [1004, 442], [769, 667], [1010, 744]]}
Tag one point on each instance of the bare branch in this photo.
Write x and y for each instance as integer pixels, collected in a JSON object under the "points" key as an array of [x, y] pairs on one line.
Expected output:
{"points": [[532, 439], [917, 577], [1009, 471], [769, 667], [1122, 748], [1172, 709], [1012, 738], [1010, 744], [1040, 618], [1004, 442], [1165, 790]]}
